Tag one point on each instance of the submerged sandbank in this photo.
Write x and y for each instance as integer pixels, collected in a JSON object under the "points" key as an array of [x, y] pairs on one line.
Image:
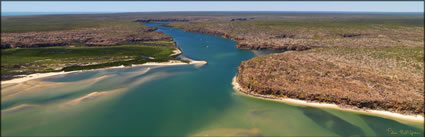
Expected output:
{"points": [[93, 95], [18, 108], [297, 102]]}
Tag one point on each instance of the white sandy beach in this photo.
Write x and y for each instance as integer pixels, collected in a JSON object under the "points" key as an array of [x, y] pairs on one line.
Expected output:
{"points": [[33, 76], [380, 113], [43, 75], [177, 51]]}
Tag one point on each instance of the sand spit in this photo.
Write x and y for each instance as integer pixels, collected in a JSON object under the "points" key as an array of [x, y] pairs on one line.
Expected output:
{"points": [[43, 75], [177, 51], [195, 62], [198, 62], [380, 113], [170, 62], [33, 76]]}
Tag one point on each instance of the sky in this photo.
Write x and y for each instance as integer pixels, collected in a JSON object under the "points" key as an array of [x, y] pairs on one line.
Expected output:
{"points": [[150, 6]]}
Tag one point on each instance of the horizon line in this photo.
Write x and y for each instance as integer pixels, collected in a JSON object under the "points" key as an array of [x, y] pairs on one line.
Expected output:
{"points": [[213, 11]]}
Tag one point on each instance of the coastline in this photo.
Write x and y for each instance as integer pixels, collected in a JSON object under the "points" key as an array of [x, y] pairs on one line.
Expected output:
{"points": [[385, 114], [177, 51], [48, 74]]}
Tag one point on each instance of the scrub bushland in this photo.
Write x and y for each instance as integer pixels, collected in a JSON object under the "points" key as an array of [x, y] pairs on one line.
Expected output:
{"points": [[388, 79], [18, 61], [306, 33], [38, 44], [73, 30], [353, 60]]}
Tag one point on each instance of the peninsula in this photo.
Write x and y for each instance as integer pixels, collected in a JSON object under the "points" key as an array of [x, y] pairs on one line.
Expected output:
{"points": [[58, 43], [371, 61]]}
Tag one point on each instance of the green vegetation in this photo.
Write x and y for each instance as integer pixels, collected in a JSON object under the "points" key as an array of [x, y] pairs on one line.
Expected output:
{"points": [[27, 55], [413, 54], [50, 59], [153, 43], [86, 41], [137, 60]]}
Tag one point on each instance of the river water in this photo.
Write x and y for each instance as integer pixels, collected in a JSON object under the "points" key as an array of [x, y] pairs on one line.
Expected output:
{"points": [[181, 100]]}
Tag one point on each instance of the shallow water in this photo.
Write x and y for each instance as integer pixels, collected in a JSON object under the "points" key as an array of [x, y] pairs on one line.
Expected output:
{"points": [[179, 100]]}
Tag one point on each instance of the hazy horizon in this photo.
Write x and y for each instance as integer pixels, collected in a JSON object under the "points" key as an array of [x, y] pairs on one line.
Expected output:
{"points": [[186, 6], [24, 13]]}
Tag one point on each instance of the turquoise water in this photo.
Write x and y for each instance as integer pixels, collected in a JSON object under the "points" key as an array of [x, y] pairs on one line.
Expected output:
{"points": [[179, 100]]}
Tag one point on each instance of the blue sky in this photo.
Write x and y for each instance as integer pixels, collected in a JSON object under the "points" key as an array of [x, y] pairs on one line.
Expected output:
{"points": [[140, 6]]}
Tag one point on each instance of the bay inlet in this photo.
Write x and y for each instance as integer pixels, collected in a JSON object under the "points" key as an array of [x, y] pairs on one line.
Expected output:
{"points": [[182, 100]]}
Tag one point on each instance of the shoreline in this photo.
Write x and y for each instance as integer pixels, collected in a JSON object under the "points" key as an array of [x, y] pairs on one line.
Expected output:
{"points": [[380, 113], [177, 51], [48, 74]]}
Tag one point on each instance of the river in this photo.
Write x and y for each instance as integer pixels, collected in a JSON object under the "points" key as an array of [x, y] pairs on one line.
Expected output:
{"points": [[180, 100]]}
